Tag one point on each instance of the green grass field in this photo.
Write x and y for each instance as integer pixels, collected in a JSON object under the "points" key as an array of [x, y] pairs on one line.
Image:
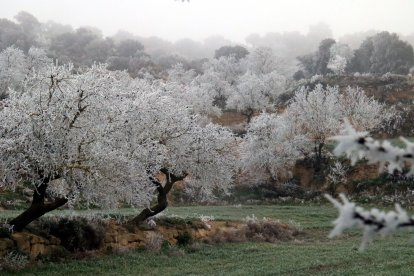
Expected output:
{"points": [[311, 254]]}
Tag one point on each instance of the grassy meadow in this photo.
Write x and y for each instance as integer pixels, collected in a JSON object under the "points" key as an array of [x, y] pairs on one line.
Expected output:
{"points": [[310, 254]]}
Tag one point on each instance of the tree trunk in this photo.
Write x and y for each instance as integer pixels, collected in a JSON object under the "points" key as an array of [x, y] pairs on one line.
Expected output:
{"points": [[318, 157], [37, 209], [162, 201], [249, 115]]}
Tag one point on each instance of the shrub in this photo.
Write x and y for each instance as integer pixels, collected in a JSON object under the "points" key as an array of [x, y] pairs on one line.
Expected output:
{"points": [[79, 234], [180, 223], [257, 231], [13, 261], [5, 229], [184, 239], [268, 231]]}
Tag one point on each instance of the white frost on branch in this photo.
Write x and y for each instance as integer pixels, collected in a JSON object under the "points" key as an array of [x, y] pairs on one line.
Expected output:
{"points": [[271, 144], [340, 56], [373, 222], [358, 145]]}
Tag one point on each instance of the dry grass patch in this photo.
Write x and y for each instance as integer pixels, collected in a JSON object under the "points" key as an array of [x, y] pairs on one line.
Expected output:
{"points": [[254, 230]]}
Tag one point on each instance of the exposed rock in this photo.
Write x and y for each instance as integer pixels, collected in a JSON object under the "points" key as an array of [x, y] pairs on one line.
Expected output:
{"points": [[117, 237], [37, 249], [22, 240]]}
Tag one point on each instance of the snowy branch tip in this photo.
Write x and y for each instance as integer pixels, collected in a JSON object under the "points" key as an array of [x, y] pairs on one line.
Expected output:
{"points": [[372, 222], [359, 145]]}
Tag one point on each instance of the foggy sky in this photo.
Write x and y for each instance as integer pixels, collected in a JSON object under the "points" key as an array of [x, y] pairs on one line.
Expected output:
{"points": [[234, 19]]}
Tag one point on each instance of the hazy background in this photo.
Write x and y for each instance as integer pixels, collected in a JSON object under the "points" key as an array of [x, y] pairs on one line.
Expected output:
{"points": [[233, 19]]}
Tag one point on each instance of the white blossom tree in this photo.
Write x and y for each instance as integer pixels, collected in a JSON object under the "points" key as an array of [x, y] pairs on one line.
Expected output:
{"points": [[12, 69], [194, 92], [101, 138], [337, 64], [256, 93], [365, 112], [262, 60], [247, 85], [54, 129], [220, 78], [181, 147], [180, 75], [249, 96], [260, 86], [318, 113], [271, 145], [37, 60], [15, 66], [340, 56], [202, 98], [228, 68]]}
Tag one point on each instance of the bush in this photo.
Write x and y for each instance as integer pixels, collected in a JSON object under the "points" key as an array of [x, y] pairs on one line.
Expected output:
{"points": [[78, 234], [268, 231], [5, 230], [184, 239], [13, 261], [180, 223], [257, 231]]}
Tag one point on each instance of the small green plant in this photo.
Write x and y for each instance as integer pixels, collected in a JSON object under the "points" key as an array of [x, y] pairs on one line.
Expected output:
{"points": [[184, 239]]}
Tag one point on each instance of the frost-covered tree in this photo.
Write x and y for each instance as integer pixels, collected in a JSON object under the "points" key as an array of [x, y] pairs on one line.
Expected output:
{"points": [[99, 137], [15, 66], [12, 69], [247, 85], [340, 58], [202, 98], [365, 112], [54, 130], [262, 60], [256, 92], [193, 91], [337, 64], [37, 60], [315, 114], [271, 145], [275, 142], [180, 75], [318, 113], [213, 83], [220, 78], [337, 175], [182, 148], [203, 157], [260, 86]]}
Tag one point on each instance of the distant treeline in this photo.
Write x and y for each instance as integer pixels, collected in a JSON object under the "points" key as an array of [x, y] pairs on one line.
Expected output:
{"points": [[307, 55]]}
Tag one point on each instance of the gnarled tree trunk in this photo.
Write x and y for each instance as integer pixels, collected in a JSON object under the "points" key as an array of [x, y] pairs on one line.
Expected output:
{"points": [[162, 201], [38, 207]]}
